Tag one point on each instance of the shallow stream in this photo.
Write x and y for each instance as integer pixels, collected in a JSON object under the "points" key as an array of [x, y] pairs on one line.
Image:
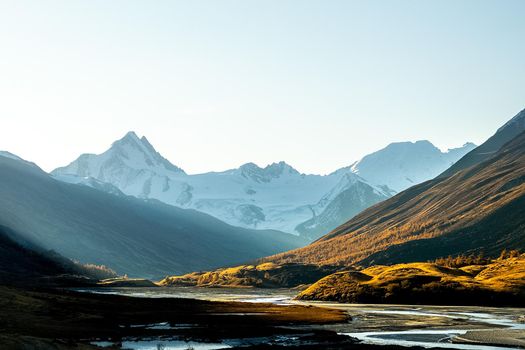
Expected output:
{"points": [[407, 325]]}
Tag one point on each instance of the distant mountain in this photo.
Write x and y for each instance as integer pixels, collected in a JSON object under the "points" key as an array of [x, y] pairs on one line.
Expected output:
{"points": [[404, 164], [265, 175], [135, 236], [129, 161], [15, 157], [9, 155], [478, 209], [347, 199], [507, 132], [273, 197]]}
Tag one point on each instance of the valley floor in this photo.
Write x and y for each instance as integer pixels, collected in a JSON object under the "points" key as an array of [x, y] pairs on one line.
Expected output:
{"points": [[145, 318], [62, 319]]}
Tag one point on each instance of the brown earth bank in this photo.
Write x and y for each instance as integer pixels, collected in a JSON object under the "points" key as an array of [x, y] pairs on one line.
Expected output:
{"points": [[498, 282]]}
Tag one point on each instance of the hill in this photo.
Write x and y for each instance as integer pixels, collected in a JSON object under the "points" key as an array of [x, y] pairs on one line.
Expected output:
{"points": [[481, 208], [500, 282], [262, 276], [134, 236]]}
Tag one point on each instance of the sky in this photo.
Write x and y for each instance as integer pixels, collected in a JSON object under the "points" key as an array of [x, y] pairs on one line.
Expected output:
{"points": [[215, 84]]}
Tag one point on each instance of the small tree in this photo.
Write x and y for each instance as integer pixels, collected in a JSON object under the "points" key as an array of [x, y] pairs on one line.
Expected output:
{"points": [[514, 253]]}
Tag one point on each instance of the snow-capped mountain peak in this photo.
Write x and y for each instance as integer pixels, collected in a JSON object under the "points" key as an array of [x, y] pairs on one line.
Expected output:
{"points": [[141, 153], [130, 164], [347, 181], [275, 196], [263, 175], [403, 164]]}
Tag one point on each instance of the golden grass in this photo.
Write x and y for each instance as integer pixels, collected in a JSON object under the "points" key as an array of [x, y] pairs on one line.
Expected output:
{"points": [[426, 283], [268, 275]]}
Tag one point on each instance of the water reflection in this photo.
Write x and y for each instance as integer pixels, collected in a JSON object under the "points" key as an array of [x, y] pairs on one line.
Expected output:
{"points": [[426, 326]]}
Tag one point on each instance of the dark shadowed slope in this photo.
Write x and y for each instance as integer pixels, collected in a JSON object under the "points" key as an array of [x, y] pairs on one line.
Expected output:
{"points": [[506, 133], [19, 264], [131, 235], [479, 208], [24, 264]]}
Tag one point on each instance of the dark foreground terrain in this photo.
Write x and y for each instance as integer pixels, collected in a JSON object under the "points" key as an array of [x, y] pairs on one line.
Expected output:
{"points": [[61, 319]]}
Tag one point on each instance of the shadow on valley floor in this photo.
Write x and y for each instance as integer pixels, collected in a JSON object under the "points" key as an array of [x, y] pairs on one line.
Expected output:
{"points": [[62, 319]]}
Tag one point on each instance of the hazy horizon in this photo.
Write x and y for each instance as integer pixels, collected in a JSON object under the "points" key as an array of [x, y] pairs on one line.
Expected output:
{"points": [[216, 85]]}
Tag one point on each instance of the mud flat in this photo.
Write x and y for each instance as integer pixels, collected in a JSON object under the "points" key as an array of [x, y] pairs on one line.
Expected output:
{"points": [[496, 337]]}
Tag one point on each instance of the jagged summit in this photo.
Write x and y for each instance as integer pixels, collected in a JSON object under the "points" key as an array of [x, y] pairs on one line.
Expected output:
{"points": [[127, 160], [266, 174], [130, 135], [131, 143], [411, 144]]}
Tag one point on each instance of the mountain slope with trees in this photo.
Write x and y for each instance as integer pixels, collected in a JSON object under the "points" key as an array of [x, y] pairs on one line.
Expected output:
{"points": [[480, 208]]}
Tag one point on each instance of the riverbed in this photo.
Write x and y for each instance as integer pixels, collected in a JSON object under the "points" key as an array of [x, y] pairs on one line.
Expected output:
{"points": [[449, 327]]}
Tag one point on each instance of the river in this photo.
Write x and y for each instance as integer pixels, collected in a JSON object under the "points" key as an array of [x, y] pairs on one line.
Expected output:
{"points": [[407, 325]]}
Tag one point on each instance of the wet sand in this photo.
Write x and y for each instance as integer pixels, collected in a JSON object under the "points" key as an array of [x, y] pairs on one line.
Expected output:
{"points": [[497, 337]]}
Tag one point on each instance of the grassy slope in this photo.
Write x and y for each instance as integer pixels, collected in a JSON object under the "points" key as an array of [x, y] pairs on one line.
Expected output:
{"points": [[501, 282], [266, 275], [480, 208]]}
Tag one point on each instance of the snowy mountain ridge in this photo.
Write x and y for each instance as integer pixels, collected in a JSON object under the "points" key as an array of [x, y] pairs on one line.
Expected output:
{"points": [[401, 165], [276, 196]]}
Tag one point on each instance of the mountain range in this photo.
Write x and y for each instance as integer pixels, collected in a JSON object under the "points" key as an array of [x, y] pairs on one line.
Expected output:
{"points": [[476, 206], [140, 237], [274, 197], [133, 210]]}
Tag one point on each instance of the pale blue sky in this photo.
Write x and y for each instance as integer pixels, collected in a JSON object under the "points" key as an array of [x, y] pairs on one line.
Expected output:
{"points": [[214, 84]]}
